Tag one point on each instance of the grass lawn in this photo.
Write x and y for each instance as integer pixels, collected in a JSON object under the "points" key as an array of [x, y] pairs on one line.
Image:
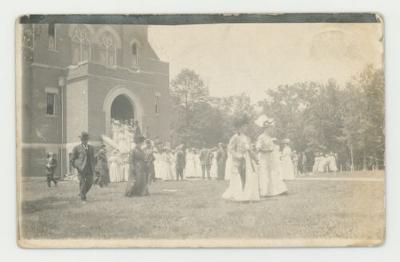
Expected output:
{"points": [[195, 209]]}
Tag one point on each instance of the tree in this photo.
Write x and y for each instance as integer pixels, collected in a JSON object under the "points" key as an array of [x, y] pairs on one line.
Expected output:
{"points": [[196, 122]]}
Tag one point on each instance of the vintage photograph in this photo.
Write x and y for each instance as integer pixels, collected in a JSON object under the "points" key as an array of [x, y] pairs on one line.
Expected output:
{"points": [[200, 130]]}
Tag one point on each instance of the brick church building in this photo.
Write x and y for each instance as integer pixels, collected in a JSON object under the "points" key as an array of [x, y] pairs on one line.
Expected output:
{"points": [[78, 77]]}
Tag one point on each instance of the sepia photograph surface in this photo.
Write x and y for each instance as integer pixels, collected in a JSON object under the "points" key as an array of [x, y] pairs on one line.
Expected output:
{"points": [[200, 131]]}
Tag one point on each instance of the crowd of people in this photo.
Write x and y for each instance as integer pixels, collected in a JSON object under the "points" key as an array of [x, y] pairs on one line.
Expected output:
{"points": [[253, 170]]}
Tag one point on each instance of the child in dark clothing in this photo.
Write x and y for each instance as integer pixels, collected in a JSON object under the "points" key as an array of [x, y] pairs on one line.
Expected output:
{"points": [[50, 169]]}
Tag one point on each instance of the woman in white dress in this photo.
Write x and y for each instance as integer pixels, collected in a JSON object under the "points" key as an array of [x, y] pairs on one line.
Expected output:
{"points": [[286, 161], [190, 168], [322, 164], [166, 165], [317, 159], [271, 182], [125, 166], [332, 166], [214, 165], [243, 183], [157, 169], [114, 163], [197, 164]]}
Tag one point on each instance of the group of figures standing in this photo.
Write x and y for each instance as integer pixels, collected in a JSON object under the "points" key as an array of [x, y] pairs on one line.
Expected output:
{"points": [[257, 170], [254, 170]]}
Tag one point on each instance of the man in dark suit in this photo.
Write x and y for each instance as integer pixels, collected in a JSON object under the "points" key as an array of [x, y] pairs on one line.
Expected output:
{"points": [[221, 161], [180, 162], [84, 161], [205, 161]]}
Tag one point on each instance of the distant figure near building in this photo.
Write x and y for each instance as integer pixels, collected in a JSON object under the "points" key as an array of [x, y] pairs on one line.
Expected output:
{"points": [[83, 160], [51, 166], [92, 77]]}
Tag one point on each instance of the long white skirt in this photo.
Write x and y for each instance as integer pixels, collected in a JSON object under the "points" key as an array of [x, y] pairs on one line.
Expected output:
{"points": [[165, 171], [197, 167], [271, 182], [287, 169], [214, 168], [235, 191], [116, 172], [322, 165], [228, 166], [332, 165], [190, 168], [157, 169]]}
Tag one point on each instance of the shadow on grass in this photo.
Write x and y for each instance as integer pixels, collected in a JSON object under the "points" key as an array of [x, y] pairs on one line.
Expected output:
{"points": [[51, 202]]}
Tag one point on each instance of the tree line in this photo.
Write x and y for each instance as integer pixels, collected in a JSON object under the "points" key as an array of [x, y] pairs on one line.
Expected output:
{"points": [[317, 117]]}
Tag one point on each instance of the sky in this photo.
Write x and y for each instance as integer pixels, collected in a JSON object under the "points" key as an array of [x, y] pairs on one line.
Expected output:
{"points": [[250, 58]]}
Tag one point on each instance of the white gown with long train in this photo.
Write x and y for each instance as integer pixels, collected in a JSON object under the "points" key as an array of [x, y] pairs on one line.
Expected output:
{"points": [[239, 146]]}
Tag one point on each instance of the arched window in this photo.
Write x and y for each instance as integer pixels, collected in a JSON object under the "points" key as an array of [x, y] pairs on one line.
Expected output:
{"points": [[80, 45], [135, 54], [108, 55]]}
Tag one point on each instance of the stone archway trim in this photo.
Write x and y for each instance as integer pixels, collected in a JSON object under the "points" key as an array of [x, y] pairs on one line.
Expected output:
{"points": [[133, 98]]}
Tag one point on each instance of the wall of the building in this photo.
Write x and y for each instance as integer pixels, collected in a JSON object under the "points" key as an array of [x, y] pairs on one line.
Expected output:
{"points": [[76, 109], [86, 87]]}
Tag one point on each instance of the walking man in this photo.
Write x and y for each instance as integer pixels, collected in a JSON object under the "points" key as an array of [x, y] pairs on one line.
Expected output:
{"points": [[83, 160]]}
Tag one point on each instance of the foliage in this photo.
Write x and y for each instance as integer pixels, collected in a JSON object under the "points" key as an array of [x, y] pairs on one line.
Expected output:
{"points": [[316, 117]]}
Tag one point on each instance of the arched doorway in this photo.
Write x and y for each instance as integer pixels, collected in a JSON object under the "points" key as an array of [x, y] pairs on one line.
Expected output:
{"points": [[116, 98], [122, 109]]}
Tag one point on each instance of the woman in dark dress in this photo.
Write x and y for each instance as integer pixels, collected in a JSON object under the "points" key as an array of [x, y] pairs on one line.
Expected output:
{"points": [[138, 178]]}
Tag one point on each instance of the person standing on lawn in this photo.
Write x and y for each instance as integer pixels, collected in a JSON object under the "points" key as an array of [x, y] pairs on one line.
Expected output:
{"points": [[221, 161], [150, 158], [244, 182], [205, 161], [51, 166], [84, 161], [138, 179], [265, 147], [286, 161], [180, 162]]}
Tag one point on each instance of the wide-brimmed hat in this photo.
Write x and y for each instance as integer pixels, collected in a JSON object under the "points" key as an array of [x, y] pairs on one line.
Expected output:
{"points": [[264, 121], [286, 141], [138, 139], [84, 134], [268, 123]]}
